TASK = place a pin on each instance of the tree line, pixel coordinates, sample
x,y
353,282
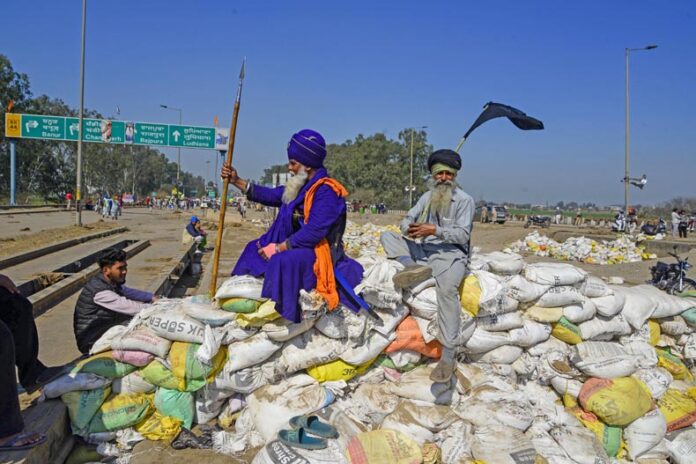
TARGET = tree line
x,y
46,170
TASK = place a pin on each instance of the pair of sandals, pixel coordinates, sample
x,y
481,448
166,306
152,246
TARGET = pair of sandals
x,y
308,432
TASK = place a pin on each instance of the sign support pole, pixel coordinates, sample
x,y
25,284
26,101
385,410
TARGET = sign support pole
x,y
13,171
78,190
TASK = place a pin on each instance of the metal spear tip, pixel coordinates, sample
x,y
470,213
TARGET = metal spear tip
x,y
242,71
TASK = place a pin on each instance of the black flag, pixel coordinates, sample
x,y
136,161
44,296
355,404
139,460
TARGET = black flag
x,y
498,110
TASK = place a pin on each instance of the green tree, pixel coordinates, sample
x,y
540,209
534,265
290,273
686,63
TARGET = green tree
x,y
269,174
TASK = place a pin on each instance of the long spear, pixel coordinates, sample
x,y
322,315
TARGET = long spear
x,y
226,183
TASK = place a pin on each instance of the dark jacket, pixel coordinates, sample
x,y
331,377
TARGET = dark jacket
x,y
90,320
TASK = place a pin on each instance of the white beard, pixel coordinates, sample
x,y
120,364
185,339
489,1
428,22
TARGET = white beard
x,y
294,185
441,196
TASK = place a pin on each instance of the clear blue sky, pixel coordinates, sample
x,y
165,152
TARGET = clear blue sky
x,y
345,68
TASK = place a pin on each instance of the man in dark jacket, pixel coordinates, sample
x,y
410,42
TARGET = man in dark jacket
x,y
106,301
195,230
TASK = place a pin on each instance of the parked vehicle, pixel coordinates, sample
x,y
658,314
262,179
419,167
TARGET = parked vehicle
x,y
672,277
654,229
538,221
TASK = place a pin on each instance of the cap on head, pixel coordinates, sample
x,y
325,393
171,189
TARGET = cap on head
x,y
444,160
194,218
308,148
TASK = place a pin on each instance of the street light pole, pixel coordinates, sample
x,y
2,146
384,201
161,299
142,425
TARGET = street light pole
x,y
628,129
178,149
78,187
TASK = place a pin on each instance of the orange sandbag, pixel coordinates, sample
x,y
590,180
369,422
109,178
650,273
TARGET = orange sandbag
x,y
409,337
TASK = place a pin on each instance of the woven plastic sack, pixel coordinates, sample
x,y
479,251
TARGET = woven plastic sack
x,y
470,294
554,274
173,403
678,408
104,365
142,339
383,446
121,411
177,326
566,331
609,436
265,313
182,357
409,337
157,374
83,405
74,382
159,427
616,402
131,384
240,305
136,358
337,370
244,286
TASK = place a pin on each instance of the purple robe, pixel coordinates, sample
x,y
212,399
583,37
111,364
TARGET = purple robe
x,y
286,273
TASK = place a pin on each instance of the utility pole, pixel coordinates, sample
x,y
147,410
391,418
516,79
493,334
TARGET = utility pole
x,y
78,189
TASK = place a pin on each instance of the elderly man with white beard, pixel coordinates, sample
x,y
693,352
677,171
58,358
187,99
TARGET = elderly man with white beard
x,y
304,245
435,242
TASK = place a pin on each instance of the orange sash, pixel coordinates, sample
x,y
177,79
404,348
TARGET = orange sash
x,y
323,267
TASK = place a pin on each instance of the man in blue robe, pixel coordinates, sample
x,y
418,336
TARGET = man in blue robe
x,y
285,255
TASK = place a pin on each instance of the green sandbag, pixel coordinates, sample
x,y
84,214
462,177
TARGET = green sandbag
x,y
121,411
157,374
173,403
105,365
690,316
84,404
240,305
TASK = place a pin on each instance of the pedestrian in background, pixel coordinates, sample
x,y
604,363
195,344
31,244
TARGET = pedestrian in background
x,y
675,223
683,224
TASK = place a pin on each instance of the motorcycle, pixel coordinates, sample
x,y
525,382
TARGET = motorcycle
x,y
538,221
672,277
652,229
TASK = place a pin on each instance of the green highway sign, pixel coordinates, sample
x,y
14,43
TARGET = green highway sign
x,y
33,126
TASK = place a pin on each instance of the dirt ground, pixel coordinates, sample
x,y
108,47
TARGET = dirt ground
x,y
18,244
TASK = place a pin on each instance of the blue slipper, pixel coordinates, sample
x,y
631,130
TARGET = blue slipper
x,y
298,438
312,425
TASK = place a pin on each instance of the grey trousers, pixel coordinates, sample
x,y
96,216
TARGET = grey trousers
x,y
449,269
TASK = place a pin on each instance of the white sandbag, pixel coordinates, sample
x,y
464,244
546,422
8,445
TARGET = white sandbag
x,y
455,442
74,382
272,406
142,339
104,342
370,403
244,286
491,287
499,322
374,344
644,433
250,352
577,313
423,327
531,333
682,448
423,304
643,352
389,318
501,304
504,263
554,274
580,443
377,286
176,326
243,381
491,408
610,305
673,325
342,323
419,420
505,354
657,379
603,359
131,384
282,330
565,386
483,341
467,326
416,385
502,445
601,325
523,290
669,305
232,332
552,344
563,295
277,452
473,377
639,305
690,347
546,446
207,314
210,346
594,287
402,358
209,403
310,349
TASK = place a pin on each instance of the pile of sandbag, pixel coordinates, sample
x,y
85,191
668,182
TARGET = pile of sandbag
x,y
554,365
364,239
621,250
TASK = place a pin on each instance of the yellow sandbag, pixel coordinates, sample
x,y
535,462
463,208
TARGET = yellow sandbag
x,y
265,313
157,374
337,370
609,436
182,357
383,446
470,294
673,364
678,408
618,401
539,314
159,427
240,305
654,332
122,411
566,331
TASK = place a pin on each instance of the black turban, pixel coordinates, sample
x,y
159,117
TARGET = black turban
x,y
449,157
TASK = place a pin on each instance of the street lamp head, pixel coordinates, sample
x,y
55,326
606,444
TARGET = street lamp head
x,y
164,106
651,47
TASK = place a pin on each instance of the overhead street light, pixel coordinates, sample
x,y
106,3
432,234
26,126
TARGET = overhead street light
x,y
627,178
178,149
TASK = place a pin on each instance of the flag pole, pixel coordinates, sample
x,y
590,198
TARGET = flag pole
x,y
226,183
460,144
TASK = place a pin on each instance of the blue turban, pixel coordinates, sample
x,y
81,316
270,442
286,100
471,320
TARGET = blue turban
x,y
307,147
